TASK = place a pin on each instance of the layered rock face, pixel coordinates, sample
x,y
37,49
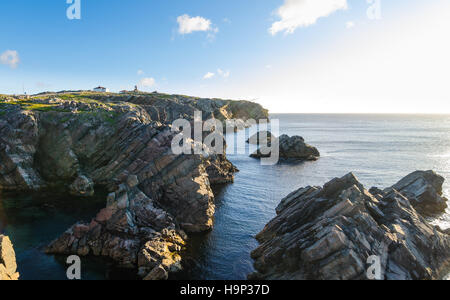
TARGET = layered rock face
x,y
76,144
75,141
8,266
293,148
332,232
424,190
167,108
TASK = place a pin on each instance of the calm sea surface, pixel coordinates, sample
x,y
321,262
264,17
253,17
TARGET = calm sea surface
x,y
379,149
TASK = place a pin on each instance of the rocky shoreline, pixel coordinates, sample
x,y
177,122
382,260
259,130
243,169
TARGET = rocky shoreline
x,y
335,231
76,141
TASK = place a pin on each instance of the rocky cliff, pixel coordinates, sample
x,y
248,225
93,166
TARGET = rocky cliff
x,y
76,141
335,232
8,266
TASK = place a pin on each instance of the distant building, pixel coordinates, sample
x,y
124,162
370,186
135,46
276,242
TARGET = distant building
x,y
124,92
101,89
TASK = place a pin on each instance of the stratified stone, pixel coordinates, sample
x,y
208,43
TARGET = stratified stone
x,y
424,191
330,233
124,143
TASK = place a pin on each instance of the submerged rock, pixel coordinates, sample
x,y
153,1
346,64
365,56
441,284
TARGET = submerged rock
x,y
289,148
336,231
8,265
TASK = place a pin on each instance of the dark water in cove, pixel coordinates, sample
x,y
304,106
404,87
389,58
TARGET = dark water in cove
x,y
379,149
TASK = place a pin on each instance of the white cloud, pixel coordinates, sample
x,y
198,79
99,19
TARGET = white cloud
x,y
10,58
140,72
349,24
303,13
208,75
224,74
189,24
147,82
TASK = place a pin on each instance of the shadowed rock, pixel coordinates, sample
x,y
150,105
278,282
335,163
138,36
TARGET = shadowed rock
x,y
330,232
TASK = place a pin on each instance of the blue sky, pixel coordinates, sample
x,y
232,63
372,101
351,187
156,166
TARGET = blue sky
x,y
120,43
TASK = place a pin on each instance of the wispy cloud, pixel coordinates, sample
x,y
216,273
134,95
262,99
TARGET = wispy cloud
x,y
224,74
350,25
188,25
140,72
10,58
209,75
295,14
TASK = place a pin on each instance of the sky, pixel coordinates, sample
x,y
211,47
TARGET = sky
x,y
291,56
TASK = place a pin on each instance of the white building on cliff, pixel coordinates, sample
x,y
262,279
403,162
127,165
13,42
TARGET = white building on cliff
x,y
101,89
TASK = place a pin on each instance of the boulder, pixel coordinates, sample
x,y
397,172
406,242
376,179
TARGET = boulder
x,y
424,191
8,265
82,187
290,148
339,230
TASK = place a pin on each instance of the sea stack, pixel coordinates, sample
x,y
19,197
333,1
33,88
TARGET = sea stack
x,y
290,148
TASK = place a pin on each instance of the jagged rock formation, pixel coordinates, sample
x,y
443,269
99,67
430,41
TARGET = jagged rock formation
x,y
289,148
166,108
424,191
131,230
8,265
330,232
76,141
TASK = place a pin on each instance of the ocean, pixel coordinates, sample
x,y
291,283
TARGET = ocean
x,y
378,149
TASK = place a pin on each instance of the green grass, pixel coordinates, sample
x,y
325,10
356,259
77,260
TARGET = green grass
x,y
31,106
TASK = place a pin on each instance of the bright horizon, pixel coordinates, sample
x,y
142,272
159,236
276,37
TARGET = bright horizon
x,y
291,56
